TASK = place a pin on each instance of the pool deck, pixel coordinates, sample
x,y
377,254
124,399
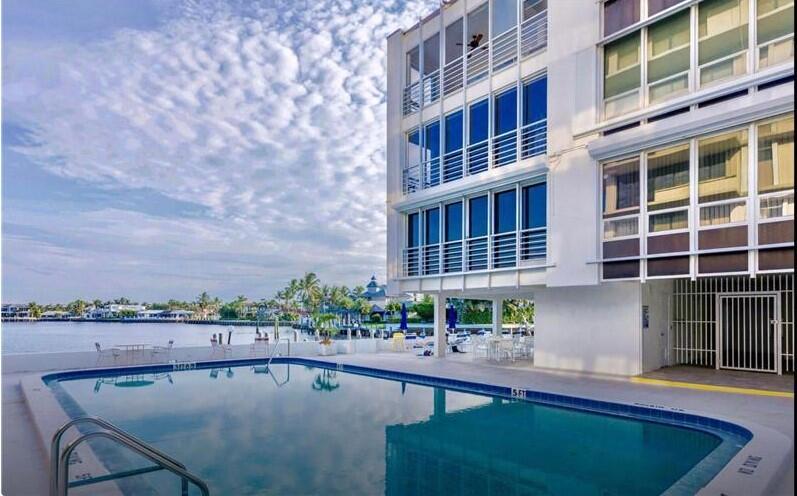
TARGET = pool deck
x,y
771,418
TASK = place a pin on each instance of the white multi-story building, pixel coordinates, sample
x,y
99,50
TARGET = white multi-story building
x,y
626,164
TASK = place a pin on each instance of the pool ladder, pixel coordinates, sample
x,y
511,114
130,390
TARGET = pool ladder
x,y
276,347
59,461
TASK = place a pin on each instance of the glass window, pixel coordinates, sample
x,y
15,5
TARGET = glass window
x,y
431,141
413,66
413,148
668,221
477,26
505,112
668,57
477,218
454,40
656,6
618,14
453,130
453,221
621,187
533,7
722,39
535,100
413,230
775,31
621,69
478,122
504,16
504,205
432,226
668,178
722,167
617,228
535,206
777,206
431,55
724,213
776,155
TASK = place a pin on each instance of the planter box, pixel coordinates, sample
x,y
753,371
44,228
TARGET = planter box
x,y
327,349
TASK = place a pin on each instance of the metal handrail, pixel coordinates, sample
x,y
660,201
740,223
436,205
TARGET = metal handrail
x,y
59,462
276,347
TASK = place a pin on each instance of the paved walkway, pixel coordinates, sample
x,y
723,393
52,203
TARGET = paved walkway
x,y
725,378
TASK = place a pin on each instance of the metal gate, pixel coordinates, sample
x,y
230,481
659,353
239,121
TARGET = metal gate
x,y
748,331
695,330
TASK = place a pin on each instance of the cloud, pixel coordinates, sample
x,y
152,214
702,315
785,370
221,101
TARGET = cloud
x,y
269,115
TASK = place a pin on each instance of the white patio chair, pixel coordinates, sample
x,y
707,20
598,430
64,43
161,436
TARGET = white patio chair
x,y
505,349
114,352
480,347
162,350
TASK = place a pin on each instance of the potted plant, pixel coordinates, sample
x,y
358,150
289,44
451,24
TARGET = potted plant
x,y
326,346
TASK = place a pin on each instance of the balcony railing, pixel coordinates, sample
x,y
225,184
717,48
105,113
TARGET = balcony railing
x,y
534,34
474,66
523,248
499,151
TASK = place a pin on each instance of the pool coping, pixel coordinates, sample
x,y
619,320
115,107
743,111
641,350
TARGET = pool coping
x,y
745,473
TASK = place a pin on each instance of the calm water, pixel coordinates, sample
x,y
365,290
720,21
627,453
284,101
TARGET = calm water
x,y
42,337
303,431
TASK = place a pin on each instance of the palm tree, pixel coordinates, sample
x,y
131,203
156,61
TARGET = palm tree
x,y
364,308
310,291
34,310
203,303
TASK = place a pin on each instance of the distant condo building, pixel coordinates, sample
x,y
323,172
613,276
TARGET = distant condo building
x,y
626,164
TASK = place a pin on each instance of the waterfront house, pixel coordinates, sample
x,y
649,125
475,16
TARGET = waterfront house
x,y
626,164
56,315
12,311
150,314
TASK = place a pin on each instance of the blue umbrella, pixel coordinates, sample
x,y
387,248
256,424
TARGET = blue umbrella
x,y
403,324
452,318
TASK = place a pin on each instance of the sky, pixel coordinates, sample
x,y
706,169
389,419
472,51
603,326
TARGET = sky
x,y
156,149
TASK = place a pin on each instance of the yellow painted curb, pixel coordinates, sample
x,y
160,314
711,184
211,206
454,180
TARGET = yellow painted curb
x,y
708,387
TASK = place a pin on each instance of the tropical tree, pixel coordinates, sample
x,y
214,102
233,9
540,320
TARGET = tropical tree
x,y
34,309
310,291
424,308
204,304
392,307
364,308
77,307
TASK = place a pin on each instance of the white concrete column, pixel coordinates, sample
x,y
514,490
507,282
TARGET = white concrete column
x,y
498,316
439,300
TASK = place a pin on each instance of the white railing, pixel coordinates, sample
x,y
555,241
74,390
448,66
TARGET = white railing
x,y
505,148
411,179
411,101
478,63
478,157
411,263
528,141
534,34
453,256
505,49
533,244
525,247
477,253
534,139
453,76
504,250
431,173
431,88
453,166
431,259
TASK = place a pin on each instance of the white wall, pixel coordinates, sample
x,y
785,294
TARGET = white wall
x,y
656,295
589,329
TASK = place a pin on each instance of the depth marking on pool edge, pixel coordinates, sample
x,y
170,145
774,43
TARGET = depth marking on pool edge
x,y
750,465
518,393
183,365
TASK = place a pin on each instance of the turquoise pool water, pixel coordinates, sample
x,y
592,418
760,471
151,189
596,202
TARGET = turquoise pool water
x,y
305,431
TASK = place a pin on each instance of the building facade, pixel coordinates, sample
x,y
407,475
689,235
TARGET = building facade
x,y
626,164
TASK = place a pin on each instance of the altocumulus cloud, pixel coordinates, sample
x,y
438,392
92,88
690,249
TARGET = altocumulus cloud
x,y
268,116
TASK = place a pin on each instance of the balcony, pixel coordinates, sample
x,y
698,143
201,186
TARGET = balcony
x,y
524,248
478,63
499,151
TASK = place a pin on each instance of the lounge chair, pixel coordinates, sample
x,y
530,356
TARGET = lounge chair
x,y
162,350
115,352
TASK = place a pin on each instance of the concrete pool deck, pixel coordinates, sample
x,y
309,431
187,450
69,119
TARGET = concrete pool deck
x,y
25,468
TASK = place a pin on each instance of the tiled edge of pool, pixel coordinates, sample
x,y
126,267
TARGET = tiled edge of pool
x,y
733,436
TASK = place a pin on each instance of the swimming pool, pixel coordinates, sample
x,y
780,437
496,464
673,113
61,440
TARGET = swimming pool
x,y
305,428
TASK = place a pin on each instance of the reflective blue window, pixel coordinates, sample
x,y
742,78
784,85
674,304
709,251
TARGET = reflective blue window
x,y
413,148
432,223
535,100
477,221
478,122
413,230
534,206
431,140
505,112
504,211
453,138
453,221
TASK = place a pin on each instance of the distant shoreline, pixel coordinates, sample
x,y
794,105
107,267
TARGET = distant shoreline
x,y
249,323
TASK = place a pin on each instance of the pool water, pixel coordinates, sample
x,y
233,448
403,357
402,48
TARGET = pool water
x,y
300,430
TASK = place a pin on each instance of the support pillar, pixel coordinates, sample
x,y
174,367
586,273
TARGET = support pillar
x,y
498,316
439,300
